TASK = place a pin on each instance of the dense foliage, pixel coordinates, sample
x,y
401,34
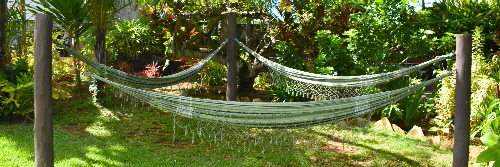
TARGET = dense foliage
x,y
332,38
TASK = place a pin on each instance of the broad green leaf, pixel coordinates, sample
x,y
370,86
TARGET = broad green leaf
x,y
434,129
55,96
488,155
489,139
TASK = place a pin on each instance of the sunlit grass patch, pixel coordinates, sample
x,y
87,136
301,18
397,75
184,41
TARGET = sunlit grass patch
x,y
113,135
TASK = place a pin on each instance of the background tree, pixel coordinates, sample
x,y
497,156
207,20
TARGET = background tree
x,y
100,12
196,27
3,22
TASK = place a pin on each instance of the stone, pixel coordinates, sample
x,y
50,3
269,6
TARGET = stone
x,y
257,100
434,140
416,132
244,99
397,129
383,123
359,122
446,147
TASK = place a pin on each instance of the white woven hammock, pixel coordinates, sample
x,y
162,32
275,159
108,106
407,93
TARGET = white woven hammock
x,y
138,81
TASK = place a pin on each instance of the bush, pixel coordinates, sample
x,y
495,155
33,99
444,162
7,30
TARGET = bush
x,y
214,74
131,39
18,99
482,86
333,58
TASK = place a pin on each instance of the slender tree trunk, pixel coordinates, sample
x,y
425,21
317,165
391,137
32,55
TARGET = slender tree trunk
x,y
74,46
21,42
3,21
100,57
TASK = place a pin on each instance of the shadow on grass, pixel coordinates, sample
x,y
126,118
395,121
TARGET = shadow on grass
x,y
390,146
120,133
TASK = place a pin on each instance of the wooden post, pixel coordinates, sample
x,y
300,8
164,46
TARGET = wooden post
x,y
231,57
44,150
462,100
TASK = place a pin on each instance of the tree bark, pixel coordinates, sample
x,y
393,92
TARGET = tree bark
x,y
462,100
43,126
21,42
74,45
100,57
185,45
232,52
3,21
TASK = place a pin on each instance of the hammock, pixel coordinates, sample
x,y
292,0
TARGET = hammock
x,y
270,115
327,86
138,81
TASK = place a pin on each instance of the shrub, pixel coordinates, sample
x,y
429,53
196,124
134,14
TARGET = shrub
x,y
482,86
333,58
214,74
131,39
19,95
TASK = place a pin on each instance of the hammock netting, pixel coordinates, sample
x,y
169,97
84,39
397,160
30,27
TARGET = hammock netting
x,y
253,126
317,86
269,115
138,81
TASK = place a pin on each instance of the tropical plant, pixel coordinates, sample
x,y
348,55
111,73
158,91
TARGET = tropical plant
x,y
333,57
214,74
73,18
489,115
379,40
410,106
482,87
19,100
263,80
280,95
100,14
131,39
493,152
287,57
443,127
489,118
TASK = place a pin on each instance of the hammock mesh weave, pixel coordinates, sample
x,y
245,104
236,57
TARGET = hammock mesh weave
x,y
261,114
316,86
270,115
138,81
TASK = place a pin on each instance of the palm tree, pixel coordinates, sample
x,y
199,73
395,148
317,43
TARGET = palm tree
x,y
100,12
71,16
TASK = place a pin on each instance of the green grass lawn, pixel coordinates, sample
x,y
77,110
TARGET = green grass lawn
x,y
86,134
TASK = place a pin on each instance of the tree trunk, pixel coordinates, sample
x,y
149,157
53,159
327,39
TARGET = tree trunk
x,y
74,45
100,57
3,21
21,42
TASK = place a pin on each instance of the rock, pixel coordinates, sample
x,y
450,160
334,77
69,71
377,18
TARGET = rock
x,y
383,124
257,100
416,132
343,124
244,99
396,128
359,122
446,147
434,140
